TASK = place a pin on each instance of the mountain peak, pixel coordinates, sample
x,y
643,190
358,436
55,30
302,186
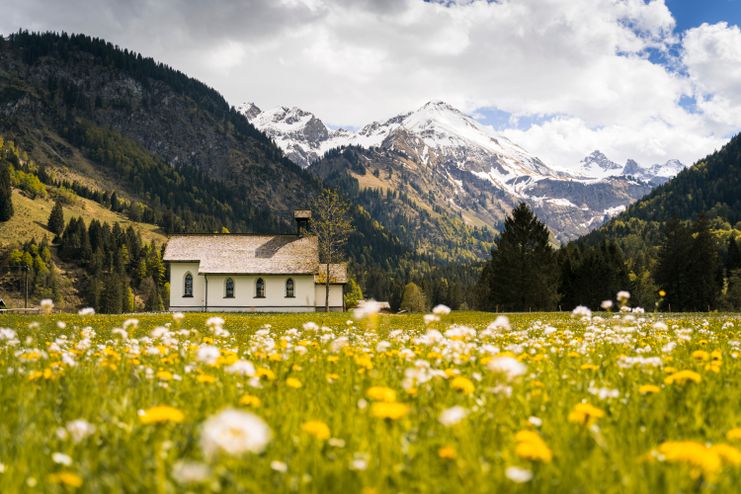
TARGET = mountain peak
x,y
249,110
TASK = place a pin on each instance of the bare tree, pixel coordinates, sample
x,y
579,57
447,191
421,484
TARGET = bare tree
x,y
330,222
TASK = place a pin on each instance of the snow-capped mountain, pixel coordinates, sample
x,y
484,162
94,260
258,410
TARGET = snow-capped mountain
x,y
597,165
456,165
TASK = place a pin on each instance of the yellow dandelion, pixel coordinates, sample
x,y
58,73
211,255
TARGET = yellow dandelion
x,y
164,375
649,389
589,367
463,384
682,377
728,454
381,393
69,479
294,383
662,293
447,453
205,378
391,411
249,400
161,414
734,434
703,460
317,429
530,446
266,373
700,355
585,414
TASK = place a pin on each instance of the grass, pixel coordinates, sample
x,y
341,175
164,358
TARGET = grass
x,y
310,386
31,216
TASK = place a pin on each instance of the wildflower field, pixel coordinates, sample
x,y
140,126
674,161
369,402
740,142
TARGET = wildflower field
x,y
454,402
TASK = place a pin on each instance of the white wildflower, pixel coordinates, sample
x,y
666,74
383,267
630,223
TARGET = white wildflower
x,y
366,308
518,475
234,432
606,304
453,415
509,366
190,472
242,368
278,466
441,310
208,354
61,459
87,311
46,305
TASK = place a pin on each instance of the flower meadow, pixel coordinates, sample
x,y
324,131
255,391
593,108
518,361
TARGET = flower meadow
x,y
622,401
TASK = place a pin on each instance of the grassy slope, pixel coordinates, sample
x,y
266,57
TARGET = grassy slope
x,y
31,215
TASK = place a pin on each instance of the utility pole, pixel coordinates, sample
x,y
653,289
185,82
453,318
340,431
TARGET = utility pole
x,y
25,295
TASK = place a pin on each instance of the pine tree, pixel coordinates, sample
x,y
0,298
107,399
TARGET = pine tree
x,y
523,272
670,273
6,193
56,219
704,268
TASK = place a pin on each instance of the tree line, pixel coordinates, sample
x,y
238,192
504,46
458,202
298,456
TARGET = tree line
x,y
692,271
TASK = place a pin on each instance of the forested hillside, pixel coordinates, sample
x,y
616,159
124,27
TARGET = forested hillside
x,y
704,197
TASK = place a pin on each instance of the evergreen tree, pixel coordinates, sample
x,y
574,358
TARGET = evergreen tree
x,y
704,268
413,299
56,219
670,274
523,271
6,195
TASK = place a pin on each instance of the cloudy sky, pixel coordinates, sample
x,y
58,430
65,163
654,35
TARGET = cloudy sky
x,y
649,80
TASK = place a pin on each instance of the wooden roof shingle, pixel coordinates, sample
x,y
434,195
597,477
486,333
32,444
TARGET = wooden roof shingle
x,y
246,254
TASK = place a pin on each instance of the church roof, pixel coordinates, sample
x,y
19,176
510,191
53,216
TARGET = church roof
x,y
246,254
337,273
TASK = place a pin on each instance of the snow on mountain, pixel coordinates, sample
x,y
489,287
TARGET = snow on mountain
x,y
597,165
467,166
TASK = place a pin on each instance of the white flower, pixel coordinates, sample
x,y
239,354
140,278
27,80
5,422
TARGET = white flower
x,y
366,308
214,322
310,326
501,322
430,318
242,368
234,432
535,421
178,316
61,324
623,296
61,459
441,310
518,475
581,312
606,304
190,472
87,311
47,305
130,324
278,466
359,462
80,429
208,354
451,416
509,366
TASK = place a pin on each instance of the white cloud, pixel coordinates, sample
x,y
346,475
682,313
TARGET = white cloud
x,y
353,61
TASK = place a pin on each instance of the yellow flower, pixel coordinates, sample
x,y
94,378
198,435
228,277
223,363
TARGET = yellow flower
x,y
648,389
392,411
703,460
66,478
294,383
463,384
530,446
364,362
662,293
585,414
589,367
447,453
266,373
682,377
700,355
734,434
161,414
728,454
381,393
316,428
205,378
164,375
250,401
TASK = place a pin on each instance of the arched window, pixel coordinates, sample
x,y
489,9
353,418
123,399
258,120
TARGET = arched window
x,y
290,288
229,288
188,285
260,288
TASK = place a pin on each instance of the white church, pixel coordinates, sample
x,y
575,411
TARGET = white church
x,y
252,273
